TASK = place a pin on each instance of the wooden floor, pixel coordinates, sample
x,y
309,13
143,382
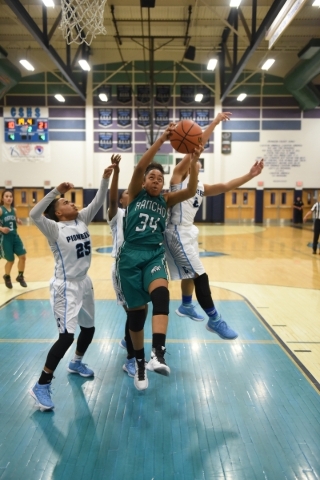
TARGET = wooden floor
x,y
272,267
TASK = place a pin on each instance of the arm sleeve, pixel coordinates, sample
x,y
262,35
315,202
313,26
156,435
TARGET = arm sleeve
x,y
89,212
48,227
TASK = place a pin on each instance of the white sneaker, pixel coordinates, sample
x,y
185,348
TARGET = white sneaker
x,y
140,377
157,362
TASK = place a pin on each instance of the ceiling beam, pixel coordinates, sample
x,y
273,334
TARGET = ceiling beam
x,y
24,17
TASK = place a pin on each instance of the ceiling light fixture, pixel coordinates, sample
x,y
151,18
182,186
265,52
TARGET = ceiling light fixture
x,y
235,3
59,97
27,65
267,64
241,97
316,3
103,97
48,3
283,19
212,64
198,97
84,65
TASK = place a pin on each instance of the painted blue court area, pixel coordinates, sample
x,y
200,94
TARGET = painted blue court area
x,y
230,410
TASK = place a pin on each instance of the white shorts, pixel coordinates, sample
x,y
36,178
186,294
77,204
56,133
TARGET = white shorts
x,y
72,303
182,252
116,287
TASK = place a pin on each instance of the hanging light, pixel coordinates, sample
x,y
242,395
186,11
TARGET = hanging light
x,y
84,65
212,64
59,97
241,97
103,97
198,97
27,65
267,64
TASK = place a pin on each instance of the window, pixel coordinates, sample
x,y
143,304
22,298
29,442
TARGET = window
x,y
283,198
245,198
73,197
34,197
23,197
272,198
234,198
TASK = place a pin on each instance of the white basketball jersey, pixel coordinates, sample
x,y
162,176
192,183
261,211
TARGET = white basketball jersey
x,y
116,225
72,250
183,213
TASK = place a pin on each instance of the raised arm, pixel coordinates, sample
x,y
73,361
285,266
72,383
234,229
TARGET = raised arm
x,y
113,190
48,227
216,189
138,174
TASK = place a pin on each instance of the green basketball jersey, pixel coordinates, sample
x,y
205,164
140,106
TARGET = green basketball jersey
x,y
146,220
8,219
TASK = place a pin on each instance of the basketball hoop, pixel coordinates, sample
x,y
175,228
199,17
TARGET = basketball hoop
x,y
82,20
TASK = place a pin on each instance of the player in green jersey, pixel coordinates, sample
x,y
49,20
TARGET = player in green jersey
x,y
141,266
10,242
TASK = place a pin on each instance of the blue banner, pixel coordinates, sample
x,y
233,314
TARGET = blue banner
x,y
107,89
143,117
124,117
202,117
186,114
161,117
105,141
205,92
105,116
162,93
143,93
124,141
124,93
187,93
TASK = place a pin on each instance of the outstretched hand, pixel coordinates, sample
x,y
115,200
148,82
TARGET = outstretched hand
x,y
257,168
115,160
223,116
65,187
166,134
196,154
108,171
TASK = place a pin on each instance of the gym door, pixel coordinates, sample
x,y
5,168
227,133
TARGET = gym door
x,y
239,205
25,198
278,205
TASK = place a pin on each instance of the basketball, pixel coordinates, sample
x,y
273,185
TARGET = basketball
x,y
186,136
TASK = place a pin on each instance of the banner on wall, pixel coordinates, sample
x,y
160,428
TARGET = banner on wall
x,y
143,117
162,93
143,93
202,117
186,114
205,92
105,117
124,93
161,117
124,141
105,141
187,93
124,117
25,152
226,139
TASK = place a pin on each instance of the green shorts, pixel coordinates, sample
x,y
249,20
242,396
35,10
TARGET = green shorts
x,y
136,269
12,245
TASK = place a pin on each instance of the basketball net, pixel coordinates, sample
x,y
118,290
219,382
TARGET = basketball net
x,y
82,20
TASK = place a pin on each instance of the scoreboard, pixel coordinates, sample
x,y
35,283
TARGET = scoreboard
x,y
26,130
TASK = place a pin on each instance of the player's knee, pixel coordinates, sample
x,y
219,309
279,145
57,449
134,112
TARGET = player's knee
x,y
85,338
58,350
160,300
203,292
136,319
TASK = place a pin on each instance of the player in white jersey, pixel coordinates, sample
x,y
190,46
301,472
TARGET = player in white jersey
x,y
181,241
71,289
115,218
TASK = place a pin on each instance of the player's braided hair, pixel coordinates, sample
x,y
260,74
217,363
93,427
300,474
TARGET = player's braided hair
x,y
50,211
154,166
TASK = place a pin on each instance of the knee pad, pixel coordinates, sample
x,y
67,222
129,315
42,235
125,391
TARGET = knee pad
x,y
136,319
58,350
160,300
203,292
84,339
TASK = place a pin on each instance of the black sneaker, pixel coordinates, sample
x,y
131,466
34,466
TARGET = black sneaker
x,y
157,362
7,281
21,280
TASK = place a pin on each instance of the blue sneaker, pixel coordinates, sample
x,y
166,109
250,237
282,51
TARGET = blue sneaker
x,y
123,343
221,328
81,368
42,396
130,367
190,312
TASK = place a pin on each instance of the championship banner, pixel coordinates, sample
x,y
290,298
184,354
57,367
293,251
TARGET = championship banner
x,y
124,93
25,152
124,117
205,92
107,89
162,93
186,114
202,117
143,117
105,117
226,139
143,93
105,141
187,93
124,141
161,117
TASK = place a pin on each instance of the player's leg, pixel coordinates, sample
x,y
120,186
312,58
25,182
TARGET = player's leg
x,y
20,251
8,254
